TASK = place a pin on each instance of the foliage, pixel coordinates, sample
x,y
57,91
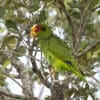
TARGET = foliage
x,y
78,21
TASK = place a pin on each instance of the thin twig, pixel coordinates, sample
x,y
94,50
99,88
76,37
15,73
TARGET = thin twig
x,y
58,81
11,95
63,8
81,29
9,51
4,73
89,48
39,74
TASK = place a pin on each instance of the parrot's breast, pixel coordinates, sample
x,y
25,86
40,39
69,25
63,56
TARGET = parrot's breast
x,y
51,58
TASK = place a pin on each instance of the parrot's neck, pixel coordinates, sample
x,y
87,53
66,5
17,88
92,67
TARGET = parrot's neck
x,y
45,36
44,40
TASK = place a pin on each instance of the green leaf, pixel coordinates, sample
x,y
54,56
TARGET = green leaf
x,y
95,2
2,80
42,17
21,50
76,13
83,44
2,11
34,5
96,51
2,58
98,12
11,24
6,63
90,27
2,29
9,41
74,4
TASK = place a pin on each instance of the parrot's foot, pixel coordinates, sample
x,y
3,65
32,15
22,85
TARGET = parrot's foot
x,y
52,72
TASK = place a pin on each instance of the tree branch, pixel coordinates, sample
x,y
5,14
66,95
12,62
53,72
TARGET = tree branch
x,y
57,92
81,29
8,94
89,48
38,72
24,75
63,8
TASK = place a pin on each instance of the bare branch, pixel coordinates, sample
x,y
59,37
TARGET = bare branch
x,y
24,75
11,95
57,92
14,52
89,48
63,8
81,29
39,74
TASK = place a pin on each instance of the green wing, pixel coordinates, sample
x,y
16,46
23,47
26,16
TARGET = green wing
x,y
60,49
64,56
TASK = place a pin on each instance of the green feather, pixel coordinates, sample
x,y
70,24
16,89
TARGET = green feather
x,y
57,53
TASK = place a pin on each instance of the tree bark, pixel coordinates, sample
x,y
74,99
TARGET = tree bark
x,y
24,76
57,92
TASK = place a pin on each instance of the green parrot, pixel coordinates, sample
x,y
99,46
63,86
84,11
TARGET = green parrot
x,y
57,53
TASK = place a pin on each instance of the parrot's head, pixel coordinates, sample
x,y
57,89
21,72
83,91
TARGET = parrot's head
x,y
37,29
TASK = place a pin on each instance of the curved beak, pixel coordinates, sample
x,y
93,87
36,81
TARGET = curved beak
x,y
33,32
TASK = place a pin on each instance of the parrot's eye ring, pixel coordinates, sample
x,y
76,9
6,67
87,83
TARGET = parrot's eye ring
x,y
43,28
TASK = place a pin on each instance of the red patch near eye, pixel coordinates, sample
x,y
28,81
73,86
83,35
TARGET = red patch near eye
x,y
38,28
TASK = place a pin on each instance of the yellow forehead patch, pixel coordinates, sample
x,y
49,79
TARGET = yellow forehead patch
x,y
33,33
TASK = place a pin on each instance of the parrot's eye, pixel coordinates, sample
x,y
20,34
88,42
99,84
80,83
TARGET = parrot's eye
x,y
43,28
36,28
